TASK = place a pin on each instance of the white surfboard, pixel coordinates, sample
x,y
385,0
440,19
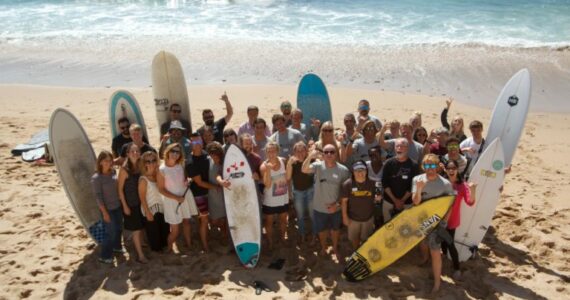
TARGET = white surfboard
x,y
488,173
168,87
75,162
123,104
509,114
242,207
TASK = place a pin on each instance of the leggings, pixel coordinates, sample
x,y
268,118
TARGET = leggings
x,y
452,250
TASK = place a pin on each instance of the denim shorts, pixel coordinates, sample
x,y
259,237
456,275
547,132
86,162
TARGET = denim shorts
x,y
325,221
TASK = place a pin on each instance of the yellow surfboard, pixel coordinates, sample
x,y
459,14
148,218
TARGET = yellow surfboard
x,y
396,238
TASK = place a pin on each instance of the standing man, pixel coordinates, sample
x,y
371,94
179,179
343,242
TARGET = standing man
x,y
219,125
245,142
310,133
415,149
135,132
248,126
363,114
397,176
124,137
175,115
329,176
473,146
285,137
286,108
259,137
176,134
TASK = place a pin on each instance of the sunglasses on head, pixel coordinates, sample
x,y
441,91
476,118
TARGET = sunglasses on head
x,y
197,142
150,161
430,166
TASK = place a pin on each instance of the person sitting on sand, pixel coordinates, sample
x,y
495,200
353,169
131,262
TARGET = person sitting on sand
x,y
176,134
219,125
415,149
329,176
172,185
249,126
135,131
424,187
285,137
302,185
104,185
364,114
276,193
456,128
152,205
175,114
357,198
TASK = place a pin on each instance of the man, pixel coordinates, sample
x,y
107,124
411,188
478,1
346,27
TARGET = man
x,y
122,138
415,149
473,146
176,134
438,141
454,154
363,113
135,132
358,204
358,149
248,126
217,126
285,137
175,115
259,137
397,178
310,133
329,176
245,142
286,108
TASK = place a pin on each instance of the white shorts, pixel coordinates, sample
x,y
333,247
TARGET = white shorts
x,y
173,214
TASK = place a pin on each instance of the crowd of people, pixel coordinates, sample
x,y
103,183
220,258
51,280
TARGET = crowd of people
x,y
358,176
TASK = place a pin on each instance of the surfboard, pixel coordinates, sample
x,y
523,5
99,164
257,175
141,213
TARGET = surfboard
x,y
168,87
123,104
488,173
242,207
75,162
313,99
396,238
509,114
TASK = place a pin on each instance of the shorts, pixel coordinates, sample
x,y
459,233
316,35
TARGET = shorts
x,y
271,210
135,221
360,230
202,204
325,221
435,238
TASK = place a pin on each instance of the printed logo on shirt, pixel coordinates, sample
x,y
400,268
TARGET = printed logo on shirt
x,y
364,193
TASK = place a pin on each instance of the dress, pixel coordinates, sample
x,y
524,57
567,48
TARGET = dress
x,y
216,204
175,183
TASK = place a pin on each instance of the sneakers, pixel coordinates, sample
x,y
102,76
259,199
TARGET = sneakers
x,y
107,261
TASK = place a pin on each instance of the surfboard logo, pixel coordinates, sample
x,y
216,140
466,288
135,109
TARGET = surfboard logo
x,y
498,165
237,175
161,102
235,166
428,223
488,173
513,100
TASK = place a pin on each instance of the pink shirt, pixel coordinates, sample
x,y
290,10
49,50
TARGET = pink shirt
x,y
463,193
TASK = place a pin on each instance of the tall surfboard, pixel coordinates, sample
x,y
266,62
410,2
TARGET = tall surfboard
x,y
123,104
242,207
75,162
488,173
509,114
393,240
313,99
168,87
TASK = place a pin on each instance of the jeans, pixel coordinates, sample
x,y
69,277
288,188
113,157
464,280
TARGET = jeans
x,y
303,203
113,234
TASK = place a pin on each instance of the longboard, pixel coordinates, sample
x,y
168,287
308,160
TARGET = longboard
x,y
75,162
396,238
242,207
313,99
123,104
510,112
488,173
168,87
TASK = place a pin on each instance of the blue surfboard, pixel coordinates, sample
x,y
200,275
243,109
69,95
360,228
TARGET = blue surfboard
x,y
124,104
313,99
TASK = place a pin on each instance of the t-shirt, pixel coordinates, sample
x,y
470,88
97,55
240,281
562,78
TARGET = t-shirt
x,y
259,147
198,166
462,193
371,118
287,140
301,181
438,149
433,188
166,125
470,143
360,149
461,162
119,141
415,150
309,132
327,184
217,130
146,147
360,196
247,127
254,162
398,177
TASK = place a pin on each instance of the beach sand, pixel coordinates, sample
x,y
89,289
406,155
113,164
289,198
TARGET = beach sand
x,y
46,253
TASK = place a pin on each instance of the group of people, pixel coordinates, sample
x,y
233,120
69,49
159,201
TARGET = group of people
x,y
358,176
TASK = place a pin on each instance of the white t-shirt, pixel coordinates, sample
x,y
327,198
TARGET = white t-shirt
x,y
470,143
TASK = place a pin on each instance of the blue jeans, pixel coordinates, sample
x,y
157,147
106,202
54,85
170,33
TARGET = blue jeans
x,y
303,203
113,234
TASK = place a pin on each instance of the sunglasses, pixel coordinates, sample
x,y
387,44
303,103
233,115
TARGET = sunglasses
x,y
174,151
177,111
330,152
430,166
150,161
364,107
196,142
452,147
369,129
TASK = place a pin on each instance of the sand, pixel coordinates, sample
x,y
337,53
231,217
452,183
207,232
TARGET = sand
x,y
46,253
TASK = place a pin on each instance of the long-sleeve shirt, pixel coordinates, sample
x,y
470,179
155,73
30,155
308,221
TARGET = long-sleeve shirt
x,y
105,190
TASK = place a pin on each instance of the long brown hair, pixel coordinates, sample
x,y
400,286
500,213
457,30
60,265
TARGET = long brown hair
x,y
102,156
144,157
130,167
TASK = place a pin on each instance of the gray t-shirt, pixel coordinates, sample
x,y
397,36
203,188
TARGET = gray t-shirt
x,y
360,150
433,189
371,118
328,182
260,147
415,150
287,140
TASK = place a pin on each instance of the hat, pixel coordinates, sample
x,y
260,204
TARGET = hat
x,y
176,125
358,166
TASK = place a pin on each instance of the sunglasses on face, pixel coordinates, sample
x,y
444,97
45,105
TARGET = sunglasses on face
x,y
196,142
369,129
329,152
430,166
174,151
452,147
150,161
451,168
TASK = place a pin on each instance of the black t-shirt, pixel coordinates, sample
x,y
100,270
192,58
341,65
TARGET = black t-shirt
x,y
119,141
198,166
146,147
360,199
301,181
217,129
398,177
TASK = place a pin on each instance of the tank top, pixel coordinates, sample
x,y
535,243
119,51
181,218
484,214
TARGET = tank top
x,y
278,193
153,197
131,190
174,179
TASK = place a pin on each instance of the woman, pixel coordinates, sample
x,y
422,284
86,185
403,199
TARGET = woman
x,y
129,194
216,205
416,120
276,193
104,185
302,187
420,135
327,137
464,192
456,124
172,185
152,205
207,134
230,137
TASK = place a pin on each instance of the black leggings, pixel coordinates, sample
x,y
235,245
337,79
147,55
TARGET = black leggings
x,y
157,232
452,250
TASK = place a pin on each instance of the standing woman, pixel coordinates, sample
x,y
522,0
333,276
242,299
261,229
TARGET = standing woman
x,y
129,194
104,185
302,187
216,204
420,135
464,192
456,128
152,206
276,193
172,185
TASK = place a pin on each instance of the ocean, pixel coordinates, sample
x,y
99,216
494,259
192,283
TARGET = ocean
x,y
411,45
